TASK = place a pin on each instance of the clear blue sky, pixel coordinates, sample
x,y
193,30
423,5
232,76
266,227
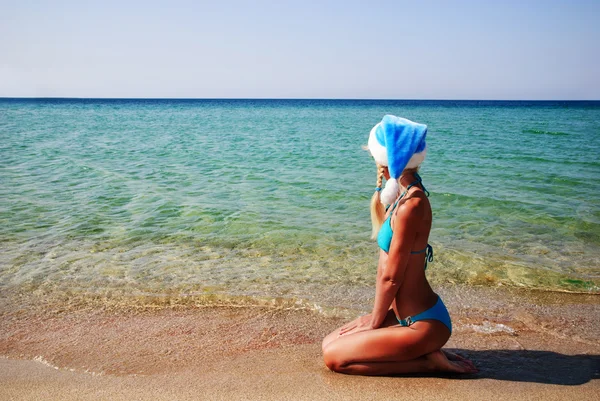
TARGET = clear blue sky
x,y
301,49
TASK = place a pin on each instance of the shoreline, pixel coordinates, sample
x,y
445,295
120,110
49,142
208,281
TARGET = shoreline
x,y
273,353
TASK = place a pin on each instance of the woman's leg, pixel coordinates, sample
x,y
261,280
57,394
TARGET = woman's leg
x,y
392,350
389,321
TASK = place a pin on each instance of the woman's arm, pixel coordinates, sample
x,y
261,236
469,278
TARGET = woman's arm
x,y
390,276
404,225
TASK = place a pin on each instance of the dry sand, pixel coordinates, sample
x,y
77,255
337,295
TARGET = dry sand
x,y
260,353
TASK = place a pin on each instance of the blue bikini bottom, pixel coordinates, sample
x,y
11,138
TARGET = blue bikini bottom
x,y
436,312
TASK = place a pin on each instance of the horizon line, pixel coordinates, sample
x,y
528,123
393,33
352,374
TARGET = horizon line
x,y
290,98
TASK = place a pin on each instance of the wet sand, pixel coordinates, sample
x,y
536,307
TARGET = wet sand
x,y
545,347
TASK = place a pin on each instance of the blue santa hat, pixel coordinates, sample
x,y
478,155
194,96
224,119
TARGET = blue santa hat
x,y
397,143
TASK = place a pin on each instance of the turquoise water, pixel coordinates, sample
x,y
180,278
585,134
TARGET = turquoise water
x,y
269,198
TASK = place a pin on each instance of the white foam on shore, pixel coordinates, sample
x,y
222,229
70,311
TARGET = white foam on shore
x,y
491,328
45,362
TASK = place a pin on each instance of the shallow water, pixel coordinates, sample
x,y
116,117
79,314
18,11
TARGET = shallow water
x,y
269,198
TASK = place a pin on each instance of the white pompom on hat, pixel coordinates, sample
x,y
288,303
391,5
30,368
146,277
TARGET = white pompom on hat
x,y
397,143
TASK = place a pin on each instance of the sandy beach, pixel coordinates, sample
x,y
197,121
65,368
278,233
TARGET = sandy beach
x,y
192,196
186,352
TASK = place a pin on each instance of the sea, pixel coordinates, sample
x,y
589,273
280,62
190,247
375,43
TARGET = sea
x,y
265,199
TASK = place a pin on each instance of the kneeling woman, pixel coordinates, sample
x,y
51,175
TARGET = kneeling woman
x,y
409,323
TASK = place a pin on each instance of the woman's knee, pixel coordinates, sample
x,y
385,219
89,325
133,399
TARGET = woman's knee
x,y
325,343
334,335
333,359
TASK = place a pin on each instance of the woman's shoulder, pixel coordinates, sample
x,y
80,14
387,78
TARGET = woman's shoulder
x,y
414,206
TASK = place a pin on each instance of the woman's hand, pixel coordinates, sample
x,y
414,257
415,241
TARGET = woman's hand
x,y
362,323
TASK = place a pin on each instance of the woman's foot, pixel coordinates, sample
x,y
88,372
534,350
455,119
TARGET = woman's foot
x,y
450,362
454,357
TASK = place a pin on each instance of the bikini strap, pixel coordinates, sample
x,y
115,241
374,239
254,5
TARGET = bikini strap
x,y
422,186
428,254
412,184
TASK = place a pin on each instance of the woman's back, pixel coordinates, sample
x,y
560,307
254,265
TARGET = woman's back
x,y
415,293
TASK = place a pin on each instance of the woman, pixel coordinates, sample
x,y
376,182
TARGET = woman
x,y
409,323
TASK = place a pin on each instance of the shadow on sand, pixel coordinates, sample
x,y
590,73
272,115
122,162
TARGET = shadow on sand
x,y
532,366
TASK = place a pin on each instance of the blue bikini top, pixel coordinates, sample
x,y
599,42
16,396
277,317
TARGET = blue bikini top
x,y
384,238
